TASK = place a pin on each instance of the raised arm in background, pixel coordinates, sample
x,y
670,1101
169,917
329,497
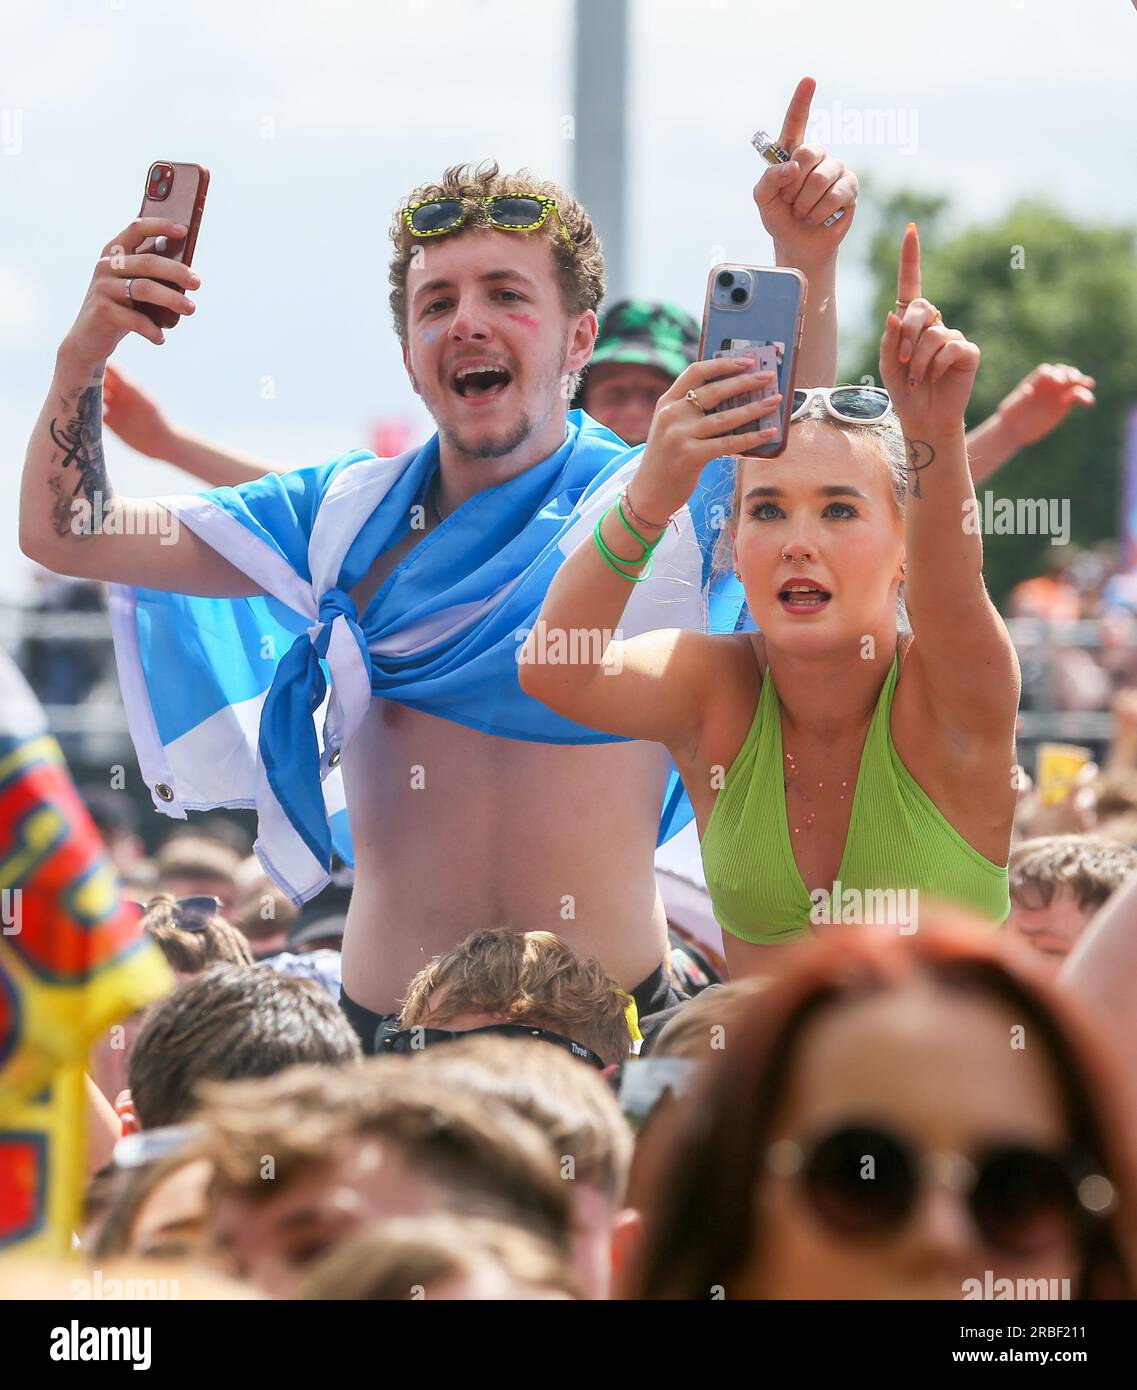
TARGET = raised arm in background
x,y
1034,409
139,421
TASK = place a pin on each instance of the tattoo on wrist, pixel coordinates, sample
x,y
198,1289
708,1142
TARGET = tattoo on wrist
x,y
80,435
921,455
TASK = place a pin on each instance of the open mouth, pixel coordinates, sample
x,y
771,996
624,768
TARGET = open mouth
x,y
804,598
482,382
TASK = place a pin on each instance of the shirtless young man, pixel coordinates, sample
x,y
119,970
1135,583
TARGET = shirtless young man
x,y
503,832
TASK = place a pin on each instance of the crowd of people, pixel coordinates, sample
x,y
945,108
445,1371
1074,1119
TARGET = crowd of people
x,y
482,1064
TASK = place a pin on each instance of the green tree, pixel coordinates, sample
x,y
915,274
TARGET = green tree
x,y
1034,287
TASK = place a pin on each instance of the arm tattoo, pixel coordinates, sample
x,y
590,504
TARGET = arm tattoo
x,y
81,439
920,456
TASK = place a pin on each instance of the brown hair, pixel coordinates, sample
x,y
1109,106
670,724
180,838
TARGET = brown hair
x,y
191,951
396,1259
264,915
478,1153
228,1022
1092,867
196,856
571,1105
700,1200
1115,792
524,977
579,268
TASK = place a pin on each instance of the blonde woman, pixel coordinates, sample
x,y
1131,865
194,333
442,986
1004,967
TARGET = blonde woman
x,y
833,752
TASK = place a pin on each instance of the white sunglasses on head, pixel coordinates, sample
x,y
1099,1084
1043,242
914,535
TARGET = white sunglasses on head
x,y
855,405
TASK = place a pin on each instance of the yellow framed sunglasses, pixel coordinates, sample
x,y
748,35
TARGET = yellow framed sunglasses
x,y
508,212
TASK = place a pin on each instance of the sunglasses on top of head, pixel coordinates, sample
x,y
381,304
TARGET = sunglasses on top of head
x,y
406,1041
508,212
191,914
854,405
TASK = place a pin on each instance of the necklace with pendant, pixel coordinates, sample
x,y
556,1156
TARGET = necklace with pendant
x,y
792,782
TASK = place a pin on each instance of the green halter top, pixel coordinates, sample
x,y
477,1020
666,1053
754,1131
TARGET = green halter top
x,y
897,840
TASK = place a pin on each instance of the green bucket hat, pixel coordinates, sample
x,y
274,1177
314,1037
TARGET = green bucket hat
x,y
649,334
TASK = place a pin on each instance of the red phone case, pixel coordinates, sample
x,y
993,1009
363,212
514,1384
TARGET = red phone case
x,y
183,201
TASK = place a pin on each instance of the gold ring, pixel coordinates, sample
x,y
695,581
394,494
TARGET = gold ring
x,y
695,401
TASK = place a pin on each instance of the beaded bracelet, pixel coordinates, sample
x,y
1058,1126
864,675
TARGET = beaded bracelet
x,y
649,546
643,521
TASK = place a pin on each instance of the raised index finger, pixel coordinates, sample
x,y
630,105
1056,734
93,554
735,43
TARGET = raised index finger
x,y
908,277
797,115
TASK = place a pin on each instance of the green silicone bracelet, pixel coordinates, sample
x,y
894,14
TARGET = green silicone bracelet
x,y
614,561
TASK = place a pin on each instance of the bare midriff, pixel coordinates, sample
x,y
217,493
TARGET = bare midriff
x,y
455,830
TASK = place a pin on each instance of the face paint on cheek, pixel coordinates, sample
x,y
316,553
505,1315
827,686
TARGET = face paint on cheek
x,y
524,320
430,334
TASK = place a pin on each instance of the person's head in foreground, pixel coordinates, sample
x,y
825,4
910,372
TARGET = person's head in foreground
x,y
440,1257
304,1159
577,1112
848,546
500,979
899,1117
494,304
641,348
1057,883
227,1023
157,1210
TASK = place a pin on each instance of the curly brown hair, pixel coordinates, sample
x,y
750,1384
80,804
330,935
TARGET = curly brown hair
x,y
523,977
579,268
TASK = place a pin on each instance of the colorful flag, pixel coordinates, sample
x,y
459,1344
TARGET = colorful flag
x,y
72,961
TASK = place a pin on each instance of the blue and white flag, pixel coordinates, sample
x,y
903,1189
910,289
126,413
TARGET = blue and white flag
x,y
249,702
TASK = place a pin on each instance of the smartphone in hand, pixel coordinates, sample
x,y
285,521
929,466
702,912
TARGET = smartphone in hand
x,y
176,191
758,311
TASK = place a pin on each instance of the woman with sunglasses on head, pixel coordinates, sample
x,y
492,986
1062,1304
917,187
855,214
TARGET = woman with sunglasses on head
x,y
193,935
899,1118
831,747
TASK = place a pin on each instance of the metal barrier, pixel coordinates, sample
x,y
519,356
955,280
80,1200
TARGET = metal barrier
x,y
101,716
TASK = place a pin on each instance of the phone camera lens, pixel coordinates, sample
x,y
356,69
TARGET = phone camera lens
x,y
163,189
726,278
738,294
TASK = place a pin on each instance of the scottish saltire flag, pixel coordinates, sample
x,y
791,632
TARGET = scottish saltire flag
x,y
72,961
250,702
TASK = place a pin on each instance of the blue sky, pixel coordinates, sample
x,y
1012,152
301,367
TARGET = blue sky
x,y
315,119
